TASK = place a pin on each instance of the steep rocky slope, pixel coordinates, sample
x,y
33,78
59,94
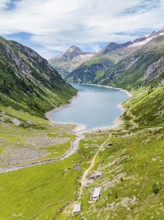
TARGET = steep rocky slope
x,y
143,67
28,82
69,60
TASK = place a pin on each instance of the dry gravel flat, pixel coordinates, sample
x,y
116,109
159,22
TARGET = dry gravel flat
x,y
35,155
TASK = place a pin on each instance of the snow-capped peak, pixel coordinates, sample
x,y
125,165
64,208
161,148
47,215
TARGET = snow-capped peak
x,y
146,38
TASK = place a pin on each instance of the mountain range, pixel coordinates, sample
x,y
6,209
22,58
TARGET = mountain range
x,y
116,63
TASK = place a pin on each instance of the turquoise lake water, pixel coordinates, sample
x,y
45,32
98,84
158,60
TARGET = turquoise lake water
x,y
94,107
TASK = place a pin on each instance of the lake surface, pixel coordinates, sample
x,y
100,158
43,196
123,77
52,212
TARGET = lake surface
x,y
94,107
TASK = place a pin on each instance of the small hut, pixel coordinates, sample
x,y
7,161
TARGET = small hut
x,y
76,208
95,175
96,193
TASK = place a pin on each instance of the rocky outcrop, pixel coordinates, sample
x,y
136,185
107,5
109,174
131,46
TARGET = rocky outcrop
x,y
154,69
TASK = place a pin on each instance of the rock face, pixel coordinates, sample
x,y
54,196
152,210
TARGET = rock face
x,y
28,81
157,66
69,60
124,65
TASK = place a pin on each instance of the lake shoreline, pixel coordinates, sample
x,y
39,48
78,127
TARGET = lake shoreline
x,y
48,114
80,128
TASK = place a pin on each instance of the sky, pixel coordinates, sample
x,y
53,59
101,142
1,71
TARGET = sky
x,y
51,26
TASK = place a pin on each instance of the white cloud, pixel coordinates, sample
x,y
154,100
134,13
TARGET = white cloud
x,y
57,24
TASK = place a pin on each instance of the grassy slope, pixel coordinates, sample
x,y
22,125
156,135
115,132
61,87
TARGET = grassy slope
x,y
132,165
29,192
132,181
28,82
146,109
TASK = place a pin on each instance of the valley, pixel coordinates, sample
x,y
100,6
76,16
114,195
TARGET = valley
x,y
50,164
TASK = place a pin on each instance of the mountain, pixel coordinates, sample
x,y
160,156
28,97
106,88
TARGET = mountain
x,y
28,82
93,70
143,67
113,47
69,60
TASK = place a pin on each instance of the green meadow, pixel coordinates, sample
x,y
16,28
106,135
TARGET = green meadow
x,y
38,192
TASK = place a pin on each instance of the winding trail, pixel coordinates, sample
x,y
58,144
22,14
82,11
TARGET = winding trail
x,y
83,180
72,150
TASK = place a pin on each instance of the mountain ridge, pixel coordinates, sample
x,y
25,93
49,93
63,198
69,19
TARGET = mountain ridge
x,y
27,81
95,70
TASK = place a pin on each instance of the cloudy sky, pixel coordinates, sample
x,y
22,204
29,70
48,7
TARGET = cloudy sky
x,y
51,26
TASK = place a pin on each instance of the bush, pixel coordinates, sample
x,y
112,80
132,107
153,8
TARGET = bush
x,y
155,188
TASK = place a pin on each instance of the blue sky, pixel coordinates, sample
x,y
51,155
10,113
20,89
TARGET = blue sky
x,y
51,26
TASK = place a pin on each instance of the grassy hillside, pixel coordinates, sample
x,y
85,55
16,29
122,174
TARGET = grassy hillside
x,y
28,82
146,109
131,164
132,178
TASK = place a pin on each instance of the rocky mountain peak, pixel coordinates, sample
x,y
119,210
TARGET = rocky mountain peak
x,y
110,47
70,54
114,46
74,49
69,60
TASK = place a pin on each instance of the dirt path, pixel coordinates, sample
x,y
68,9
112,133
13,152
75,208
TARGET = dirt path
x,y
72,150
83,180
